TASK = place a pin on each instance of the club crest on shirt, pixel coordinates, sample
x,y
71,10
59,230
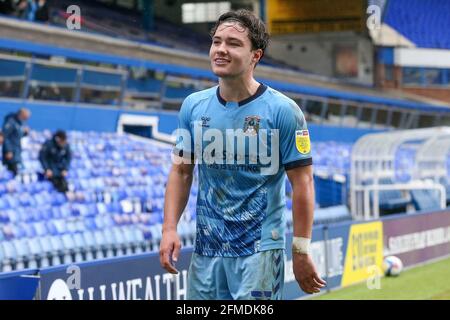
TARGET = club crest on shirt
x,y
302,141
205,121
251,125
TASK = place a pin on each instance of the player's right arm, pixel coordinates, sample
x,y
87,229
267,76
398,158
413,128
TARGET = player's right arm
x,y
177,189
177,195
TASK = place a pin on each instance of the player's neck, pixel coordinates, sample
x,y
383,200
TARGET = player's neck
x,y
237,89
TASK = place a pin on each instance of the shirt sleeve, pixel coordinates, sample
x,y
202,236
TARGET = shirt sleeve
x,y
184,144
295,145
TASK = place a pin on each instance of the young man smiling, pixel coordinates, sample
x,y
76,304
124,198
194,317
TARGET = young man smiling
x,y
240,238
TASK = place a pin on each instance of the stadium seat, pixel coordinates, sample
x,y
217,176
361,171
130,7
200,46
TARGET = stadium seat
x,y
91,246
58,250
35,253
425,200
70,248
22,252
9,256
105,246
46,251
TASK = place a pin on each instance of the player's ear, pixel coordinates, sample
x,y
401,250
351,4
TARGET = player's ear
x,y
257,55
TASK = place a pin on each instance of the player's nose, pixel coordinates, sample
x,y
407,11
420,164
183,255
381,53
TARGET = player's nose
x,y
221,49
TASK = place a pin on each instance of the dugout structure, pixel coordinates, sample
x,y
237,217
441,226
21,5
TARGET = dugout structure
x,y
387,166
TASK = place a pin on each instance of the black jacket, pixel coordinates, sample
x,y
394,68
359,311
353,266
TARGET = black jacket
x,y
13,131
54,157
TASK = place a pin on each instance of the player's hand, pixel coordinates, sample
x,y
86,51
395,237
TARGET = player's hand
x,y
169,250
306,274
64,173
9,155
48,173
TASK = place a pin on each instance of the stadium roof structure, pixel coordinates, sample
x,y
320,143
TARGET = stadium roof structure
x,y
375,167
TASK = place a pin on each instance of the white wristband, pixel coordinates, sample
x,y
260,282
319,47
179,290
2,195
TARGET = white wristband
x,y
300,245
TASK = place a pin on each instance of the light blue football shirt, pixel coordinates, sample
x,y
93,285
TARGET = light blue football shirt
x,y
240,206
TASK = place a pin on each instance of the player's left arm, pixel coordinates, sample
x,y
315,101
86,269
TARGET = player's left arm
x,y
302,182
295,148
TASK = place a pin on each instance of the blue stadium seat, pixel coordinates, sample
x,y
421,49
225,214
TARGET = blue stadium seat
x,y
41,229
91,246
119,241
56,212
105,243
425,200
30,231
35,253
47,251
46,213
22,252
12,216
52,230
392,200
80,247
70,248
9,254
65,211
90,223
60,225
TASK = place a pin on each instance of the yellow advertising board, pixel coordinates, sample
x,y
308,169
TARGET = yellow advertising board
x,y
302,16
364,252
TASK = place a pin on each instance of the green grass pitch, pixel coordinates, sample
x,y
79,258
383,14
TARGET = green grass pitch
x,y
427,282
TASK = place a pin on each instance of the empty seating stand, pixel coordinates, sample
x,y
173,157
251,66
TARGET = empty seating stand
x,y
114,205
425,23
392,201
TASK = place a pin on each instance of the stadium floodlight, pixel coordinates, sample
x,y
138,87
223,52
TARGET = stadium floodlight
x,y
373,167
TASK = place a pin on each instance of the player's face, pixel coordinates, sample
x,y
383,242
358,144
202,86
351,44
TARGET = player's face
x,y
231,51
61,142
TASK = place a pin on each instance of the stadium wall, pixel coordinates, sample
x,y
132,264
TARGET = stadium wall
x,y
345,254
417,238
19,285
103,119
343,55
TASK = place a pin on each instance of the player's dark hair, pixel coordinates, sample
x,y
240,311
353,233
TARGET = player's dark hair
x,y
257,31
61,135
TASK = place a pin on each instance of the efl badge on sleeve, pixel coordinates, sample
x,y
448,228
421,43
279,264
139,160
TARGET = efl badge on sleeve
x,y
302,141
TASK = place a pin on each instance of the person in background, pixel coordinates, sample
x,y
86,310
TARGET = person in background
x,y
32,8
6,6
42,12
55,157
13,131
